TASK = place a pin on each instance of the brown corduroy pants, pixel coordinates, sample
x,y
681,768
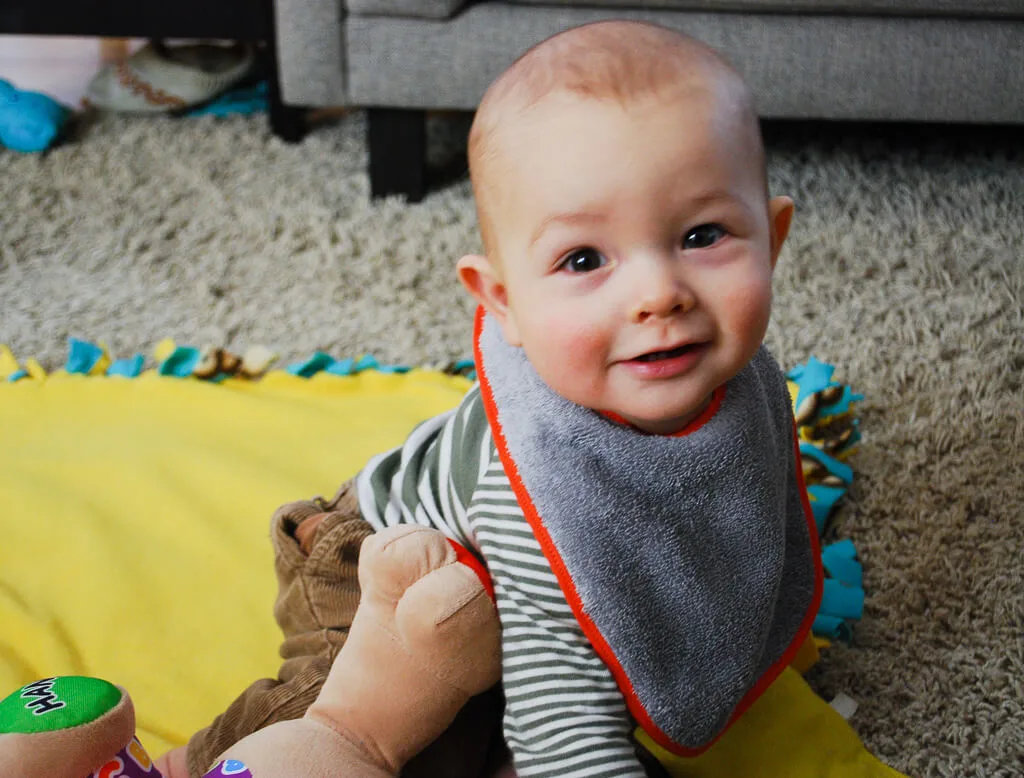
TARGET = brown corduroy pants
x,y
317,599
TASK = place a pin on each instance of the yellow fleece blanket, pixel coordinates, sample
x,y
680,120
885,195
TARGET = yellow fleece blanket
x,y
135,516
135,548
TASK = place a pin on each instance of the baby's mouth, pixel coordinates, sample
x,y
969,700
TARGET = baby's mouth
x,y
656,356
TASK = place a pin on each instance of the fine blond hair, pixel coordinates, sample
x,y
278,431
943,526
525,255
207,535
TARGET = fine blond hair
x,y
618,61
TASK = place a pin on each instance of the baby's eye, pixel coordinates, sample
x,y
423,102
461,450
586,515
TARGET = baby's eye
x,y
703,236
584,261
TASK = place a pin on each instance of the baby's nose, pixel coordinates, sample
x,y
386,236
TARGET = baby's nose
x,y
662,294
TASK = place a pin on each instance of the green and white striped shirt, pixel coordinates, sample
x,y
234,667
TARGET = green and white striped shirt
x,y
564,714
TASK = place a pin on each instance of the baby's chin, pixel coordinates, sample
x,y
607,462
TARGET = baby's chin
x,y
655,424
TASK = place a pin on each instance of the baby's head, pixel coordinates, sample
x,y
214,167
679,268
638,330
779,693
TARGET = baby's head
x,y
630,242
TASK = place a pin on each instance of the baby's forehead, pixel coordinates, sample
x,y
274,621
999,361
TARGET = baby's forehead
x,y
618,63
698,113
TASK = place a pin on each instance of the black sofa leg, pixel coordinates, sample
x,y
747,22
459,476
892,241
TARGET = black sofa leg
x,y
286,122
398,150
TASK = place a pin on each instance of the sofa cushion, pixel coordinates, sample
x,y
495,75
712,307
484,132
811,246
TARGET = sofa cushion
x,y
980,8
862,67
409,9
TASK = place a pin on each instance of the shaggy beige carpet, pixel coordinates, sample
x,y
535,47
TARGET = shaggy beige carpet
x,y
905,268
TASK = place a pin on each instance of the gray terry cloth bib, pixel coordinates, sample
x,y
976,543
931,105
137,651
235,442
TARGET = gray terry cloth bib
x,y
689,561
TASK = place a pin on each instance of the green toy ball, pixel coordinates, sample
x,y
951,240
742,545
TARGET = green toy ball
x,y
52,704
71,727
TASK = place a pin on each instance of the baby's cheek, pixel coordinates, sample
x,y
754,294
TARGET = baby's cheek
x,y
746,307
570,356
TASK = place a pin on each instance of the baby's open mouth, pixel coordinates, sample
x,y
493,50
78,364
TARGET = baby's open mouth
x,y
655,356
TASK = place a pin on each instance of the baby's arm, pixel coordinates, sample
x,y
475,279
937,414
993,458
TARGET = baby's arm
x,y
429,479
564,715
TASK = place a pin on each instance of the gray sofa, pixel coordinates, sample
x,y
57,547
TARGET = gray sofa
x,y
891,60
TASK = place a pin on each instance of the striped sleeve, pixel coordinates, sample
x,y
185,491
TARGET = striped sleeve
x,y
430,478
564,713
564,716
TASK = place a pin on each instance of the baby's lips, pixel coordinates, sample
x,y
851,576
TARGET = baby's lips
x,y
668,352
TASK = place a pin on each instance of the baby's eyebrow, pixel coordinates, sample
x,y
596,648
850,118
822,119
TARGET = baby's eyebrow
x,y
569,219
734,202
708,197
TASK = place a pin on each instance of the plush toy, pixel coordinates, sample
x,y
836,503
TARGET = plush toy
x,y
424,640
29,121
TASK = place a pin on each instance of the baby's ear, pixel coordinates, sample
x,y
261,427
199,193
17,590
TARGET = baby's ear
x,y
484,281
780,216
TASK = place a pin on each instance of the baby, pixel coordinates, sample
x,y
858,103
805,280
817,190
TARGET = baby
x,y
626,466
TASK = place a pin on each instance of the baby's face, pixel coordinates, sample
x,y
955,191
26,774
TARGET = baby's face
x,y
636,252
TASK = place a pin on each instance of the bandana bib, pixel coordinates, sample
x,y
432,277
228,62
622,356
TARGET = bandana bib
x,y
691,561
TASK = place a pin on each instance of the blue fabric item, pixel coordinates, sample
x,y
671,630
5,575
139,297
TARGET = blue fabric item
x,y
245,100
824,502
82,356
321,362
842,548
181,362
310,367
367,363
840,560
467,367
841,555
832,627
128,368
341,367
849,572
29,121
17,375
811,377
846,602
843,596
814,376
834,466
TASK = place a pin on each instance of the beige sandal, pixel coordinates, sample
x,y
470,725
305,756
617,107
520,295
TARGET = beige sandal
x,y
161,79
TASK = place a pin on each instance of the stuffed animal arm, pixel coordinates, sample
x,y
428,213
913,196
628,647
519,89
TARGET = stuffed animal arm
x,y
424,639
